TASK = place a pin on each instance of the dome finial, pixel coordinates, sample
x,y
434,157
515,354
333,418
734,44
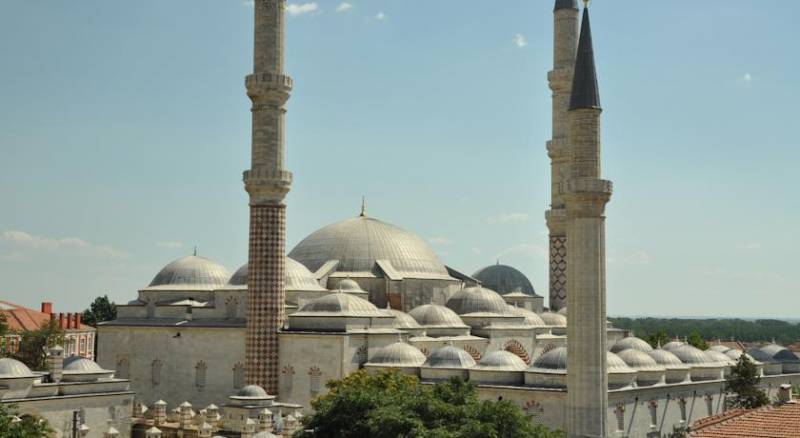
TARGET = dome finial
x,y
363,206
195,251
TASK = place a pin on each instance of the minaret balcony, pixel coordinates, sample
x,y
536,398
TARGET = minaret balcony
x,y
268,84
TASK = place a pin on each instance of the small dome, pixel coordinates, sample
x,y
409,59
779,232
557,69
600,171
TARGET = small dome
x,y
531,318
779,354
297,277
719,357
192,272
340,303
81,365
504,279
403,320
629,343
554,319
639,360
348,285
501,360
449,357
360,242
398,354
477,300
691,355
555,359
664,357
721,348
252,391
434,315
616,364
12,368
671,345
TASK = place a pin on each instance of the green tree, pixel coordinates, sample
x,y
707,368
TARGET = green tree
x,y
392,404
742,383
697,341
657,338
34,344
3,325
27,427
101,310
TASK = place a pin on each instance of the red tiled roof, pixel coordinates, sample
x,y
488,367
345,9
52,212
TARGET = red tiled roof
x,y
23,318
781,421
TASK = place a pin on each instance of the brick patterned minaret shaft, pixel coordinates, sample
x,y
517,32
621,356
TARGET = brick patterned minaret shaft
x,y
267,183
585,196
565,42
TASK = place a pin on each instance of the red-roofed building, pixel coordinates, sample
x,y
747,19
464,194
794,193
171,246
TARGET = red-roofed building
x,y
78,337
781,421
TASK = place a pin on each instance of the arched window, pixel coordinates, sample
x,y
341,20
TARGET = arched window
x,y
287,381
156,371
514,346
238,375
200,375
315,376
123,367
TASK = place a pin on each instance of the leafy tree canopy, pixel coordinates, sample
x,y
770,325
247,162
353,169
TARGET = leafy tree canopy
x,y
3,324
26,427
101,310
660,337
392,405
697,341
761,330
742,383
34,344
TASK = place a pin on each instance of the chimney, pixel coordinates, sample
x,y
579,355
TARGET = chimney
x,y
69,320
785,393
47,308
60,320
77,320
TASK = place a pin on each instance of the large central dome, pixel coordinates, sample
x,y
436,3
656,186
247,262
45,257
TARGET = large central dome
x,y
361,242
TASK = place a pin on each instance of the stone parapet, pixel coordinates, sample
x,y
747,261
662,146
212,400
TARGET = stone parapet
x,y
269,87
267,186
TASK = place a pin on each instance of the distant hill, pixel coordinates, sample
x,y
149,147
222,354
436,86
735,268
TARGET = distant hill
x,y
711,329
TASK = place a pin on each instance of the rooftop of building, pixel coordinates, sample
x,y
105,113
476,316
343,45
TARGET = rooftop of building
x,y
767,422
19,318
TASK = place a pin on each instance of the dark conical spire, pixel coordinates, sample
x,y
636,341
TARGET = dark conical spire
x,y
565,4
585,93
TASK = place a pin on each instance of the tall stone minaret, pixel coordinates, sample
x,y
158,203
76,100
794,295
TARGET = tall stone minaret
x,y
565,41
585,196
267,182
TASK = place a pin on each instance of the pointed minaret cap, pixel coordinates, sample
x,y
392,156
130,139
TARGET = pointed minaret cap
x,y
566,4
585,94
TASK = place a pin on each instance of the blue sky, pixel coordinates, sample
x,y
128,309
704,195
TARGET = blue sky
x,y
124,129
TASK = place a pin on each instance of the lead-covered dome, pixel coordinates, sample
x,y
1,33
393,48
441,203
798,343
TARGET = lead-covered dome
x,y
501,360
531,318
630,343
13,369
192,272
398,354
450,357
359,243
554,360
403,320
434,315
664,357
691,355
340,304
554,319
639,360
504,279
477,300
297,277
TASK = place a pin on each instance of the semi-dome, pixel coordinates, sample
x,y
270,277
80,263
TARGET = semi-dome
x,y
504,279
554,319
340,304
12,369
434,315
348,285
501,360
631,343
554,360
297,277
359,243
477,300
691,355
192,272
398,354
449,356
639,360
403,320
531,318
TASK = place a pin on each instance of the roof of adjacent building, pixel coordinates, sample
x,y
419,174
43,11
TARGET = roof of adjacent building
x,y
768,422
504,279
585,92
22,318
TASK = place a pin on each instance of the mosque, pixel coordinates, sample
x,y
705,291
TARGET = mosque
x,y
365,294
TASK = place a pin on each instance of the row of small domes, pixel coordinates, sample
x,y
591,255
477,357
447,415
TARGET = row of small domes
x,y
73,366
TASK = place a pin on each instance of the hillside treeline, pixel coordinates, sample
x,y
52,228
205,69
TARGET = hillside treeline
x,y
762,330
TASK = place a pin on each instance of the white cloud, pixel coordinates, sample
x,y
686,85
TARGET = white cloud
x,y
747,78
439,241
25,241
520,41
524,249
344,7
170,244
380,16
476,251
638,258
508,217
301,8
